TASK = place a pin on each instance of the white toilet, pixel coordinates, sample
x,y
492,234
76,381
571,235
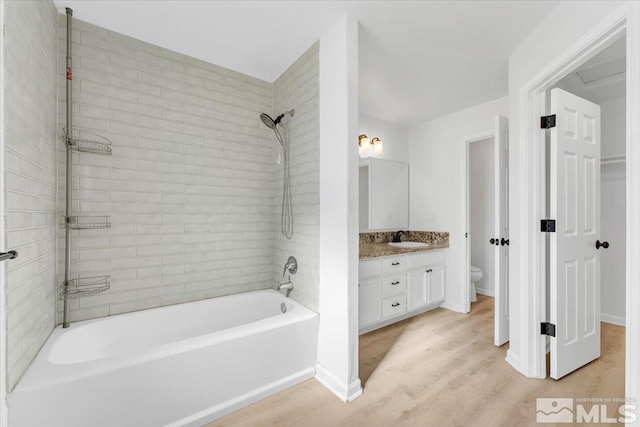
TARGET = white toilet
x,y
475,274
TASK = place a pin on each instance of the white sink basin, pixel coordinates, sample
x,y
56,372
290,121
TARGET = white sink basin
x,y
408,245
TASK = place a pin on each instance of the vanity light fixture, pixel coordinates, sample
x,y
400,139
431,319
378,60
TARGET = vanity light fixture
x,y
369,146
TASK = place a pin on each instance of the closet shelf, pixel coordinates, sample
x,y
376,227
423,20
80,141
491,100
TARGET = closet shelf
x,y
85,222
613,160
88,143
84,287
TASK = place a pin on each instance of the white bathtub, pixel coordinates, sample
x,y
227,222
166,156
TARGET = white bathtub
x,y
182,365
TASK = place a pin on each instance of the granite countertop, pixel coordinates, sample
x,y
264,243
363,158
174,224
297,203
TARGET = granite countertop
x,y
374,250
373,245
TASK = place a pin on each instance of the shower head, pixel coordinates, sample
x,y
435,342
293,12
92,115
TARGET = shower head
x,y
271,123
268,121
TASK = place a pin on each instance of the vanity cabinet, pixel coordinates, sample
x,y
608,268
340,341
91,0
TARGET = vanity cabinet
x,y
393,288
369,309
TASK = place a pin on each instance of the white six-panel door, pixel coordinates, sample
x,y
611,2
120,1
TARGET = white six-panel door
x,y
574,259
501,152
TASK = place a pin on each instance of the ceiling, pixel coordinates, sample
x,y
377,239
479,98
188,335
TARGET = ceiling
x,y
418,59
602,78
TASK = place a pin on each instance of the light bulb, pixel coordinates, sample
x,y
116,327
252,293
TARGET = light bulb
x,y
364,145
377,146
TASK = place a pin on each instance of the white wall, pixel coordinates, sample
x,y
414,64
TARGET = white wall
x,y
395,138
613,212
298,88
569,21
436,190
613,115
30,193
482,211
337,366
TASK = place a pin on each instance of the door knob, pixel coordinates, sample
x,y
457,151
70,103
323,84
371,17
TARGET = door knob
x,y
602,244
492,241
504,241
8,255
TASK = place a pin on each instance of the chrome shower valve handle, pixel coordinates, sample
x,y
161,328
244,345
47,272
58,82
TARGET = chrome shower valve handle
x,y
291,266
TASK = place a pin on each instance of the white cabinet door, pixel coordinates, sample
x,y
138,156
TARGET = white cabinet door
x,y
417,285
435,285
369,301
389,195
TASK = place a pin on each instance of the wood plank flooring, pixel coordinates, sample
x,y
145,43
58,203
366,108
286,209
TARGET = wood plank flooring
x,y
438,369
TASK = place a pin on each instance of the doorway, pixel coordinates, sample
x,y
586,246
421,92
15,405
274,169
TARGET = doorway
x,y
586,197
481,219
485,157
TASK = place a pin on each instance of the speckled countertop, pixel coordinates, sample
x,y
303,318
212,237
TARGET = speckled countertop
x,y
374,245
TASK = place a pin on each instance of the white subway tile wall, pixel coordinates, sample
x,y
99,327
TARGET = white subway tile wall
x,y
298,88
30,173
189,187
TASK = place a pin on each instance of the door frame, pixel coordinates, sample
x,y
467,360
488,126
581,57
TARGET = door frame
x,y
465,144
531,305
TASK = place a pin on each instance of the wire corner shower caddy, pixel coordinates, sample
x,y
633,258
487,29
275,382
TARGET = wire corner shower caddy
x,y
87,142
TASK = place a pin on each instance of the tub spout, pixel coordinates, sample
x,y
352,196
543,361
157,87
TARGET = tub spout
x,y
288,286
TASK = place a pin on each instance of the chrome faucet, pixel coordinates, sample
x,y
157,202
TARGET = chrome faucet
x,y
291,266
287,286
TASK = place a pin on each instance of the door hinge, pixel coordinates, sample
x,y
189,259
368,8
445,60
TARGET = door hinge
x,y
547,328
548,225
548,122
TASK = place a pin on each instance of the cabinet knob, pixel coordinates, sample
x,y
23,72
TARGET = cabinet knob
x,y
395,283
428,271
395,304
395,263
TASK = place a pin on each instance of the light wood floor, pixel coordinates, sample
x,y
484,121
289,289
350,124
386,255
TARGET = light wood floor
x,y
438,369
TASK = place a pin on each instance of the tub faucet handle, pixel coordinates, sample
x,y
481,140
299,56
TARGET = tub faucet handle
x,y
291,266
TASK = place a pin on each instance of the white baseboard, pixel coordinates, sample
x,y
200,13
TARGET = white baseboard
x,y
487,292
453,307
355,390
406,315
345,392
513,360
615,320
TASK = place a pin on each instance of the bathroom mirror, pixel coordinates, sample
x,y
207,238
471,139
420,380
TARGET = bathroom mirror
x,y
383,195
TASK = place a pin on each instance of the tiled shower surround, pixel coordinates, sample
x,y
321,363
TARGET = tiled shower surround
x,y
298,88
192,185
30,173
